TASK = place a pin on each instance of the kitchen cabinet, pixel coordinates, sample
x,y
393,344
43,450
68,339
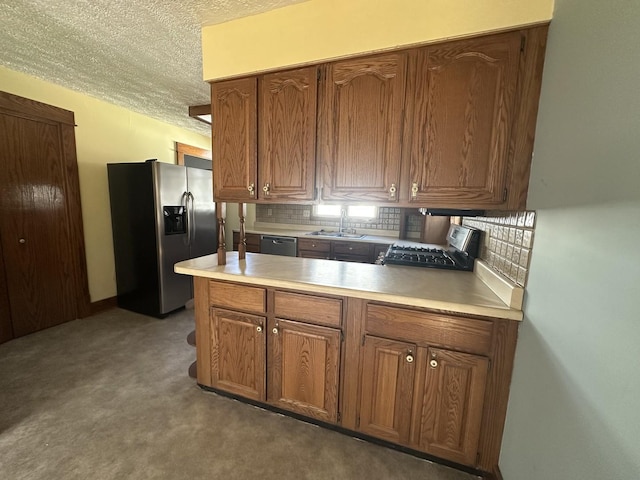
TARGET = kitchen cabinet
x,y
430,381
352,251
304,354
234,139
313,248
417,387
461,119
287,135
448,125
291,339
281,166
238,340
343,250
360,128
386,389
252,241
448,403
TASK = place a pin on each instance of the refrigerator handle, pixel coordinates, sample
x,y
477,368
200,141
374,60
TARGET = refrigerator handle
x,y
192,220
185,204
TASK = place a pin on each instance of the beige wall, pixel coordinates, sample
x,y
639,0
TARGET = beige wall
x,y
573,411
104,133
325,29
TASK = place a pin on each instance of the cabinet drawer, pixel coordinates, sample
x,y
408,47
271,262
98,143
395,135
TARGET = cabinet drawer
x,y
237,297
308,308
316,246
469,335
352,248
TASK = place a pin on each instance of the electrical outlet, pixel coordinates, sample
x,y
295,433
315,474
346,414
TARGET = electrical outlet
x,y
306,213
269,212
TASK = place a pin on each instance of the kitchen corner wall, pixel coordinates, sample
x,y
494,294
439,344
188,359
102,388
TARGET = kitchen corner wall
x,y
507,242
105,133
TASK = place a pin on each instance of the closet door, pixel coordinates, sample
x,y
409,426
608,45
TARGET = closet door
x,y
40,221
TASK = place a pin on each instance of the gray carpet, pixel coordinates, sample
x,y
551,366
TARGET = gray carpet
x,y
108,397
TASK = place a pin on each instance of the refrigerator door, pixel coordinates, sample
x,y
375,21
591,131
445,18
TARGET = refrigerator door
x,y
202,213
170,192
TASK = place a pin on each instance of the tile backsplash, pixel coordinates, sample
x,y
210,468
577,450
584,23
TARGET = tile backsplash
x,y
388,217
507,242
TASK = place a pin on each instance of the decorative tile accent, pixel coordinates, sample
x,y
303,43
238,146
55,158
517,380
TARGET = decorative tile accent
x,y
507,242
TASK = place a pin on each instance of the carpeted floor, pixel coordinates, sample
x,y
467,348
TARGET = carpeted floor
x,y
108,397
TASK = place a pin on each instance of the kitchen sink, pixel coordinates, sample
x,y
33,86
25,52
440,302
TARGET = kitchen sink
x,y
328,233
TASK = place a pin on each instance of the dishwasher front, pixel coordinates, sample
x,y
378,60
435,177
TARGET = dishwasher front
x,y
275,245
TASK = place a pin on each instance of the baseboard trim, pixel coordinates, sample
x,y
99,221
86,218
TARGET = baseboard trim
x,y
102,305
495,475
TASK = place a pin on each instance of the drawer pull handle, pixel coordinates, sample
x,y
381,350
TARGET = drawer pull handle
x,y
433,363
259,329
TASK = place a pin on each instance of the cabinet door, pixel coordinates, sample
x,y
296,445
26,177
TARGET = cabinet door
x,y
461,122
287,126
234,117
303,368
238,353
448,404
361,128
386,389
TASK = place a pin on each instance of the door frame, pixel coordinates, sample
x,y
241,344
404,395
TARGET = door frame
x,y
16,106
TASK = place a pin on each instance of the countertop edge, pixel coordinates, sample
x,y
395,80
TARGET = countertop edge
x,y
451,307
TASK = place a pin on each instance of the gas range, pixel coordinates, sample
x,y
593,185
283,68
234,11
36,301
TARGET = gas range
x,y
460,253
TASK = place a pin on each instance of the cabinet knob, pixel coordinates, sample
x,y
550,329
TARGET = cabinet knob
x,y
275,330
392,191
350,248
433,363
22,241
259,329
414,190
409,358
266,188
251,188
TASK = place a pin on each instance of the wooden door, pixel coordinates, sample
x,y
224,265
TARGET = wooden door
x,y
41,235
234,139
361,128
386,389
461,121
238,362
303,368
287,135
448,404
6,328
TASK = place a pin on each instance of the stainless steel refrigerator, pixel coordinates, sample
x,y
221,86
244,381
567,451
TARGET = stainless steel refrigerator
x,y
161,214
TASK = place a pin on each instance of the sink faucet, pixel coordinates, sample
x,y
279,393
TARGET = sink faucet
x,y
343,214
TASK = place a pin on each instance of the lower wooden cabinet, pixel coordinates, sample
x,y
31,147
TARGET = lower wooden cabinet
x,y
304,363
238,353
448,404
386,389
408,376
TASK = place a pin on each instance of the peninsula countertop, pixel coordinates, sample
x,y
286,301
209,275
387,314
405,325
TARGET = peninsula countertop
x,y
451,291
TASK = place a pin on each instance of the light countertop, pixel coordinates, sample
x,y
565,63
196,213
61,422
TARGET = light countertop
x,y
452,291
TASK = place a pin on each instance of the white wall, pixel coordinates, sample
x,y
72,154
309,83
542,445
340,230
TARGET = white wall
x,y
574,410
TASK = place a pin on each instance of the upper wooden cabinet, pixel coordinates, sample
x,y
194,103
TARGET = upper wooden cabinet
x,y
287,135
360,128
461,119
233,138
281,167
448,125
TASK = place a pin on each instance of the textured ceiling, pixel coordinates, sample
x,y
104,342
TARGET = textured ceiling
x,y
144,55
